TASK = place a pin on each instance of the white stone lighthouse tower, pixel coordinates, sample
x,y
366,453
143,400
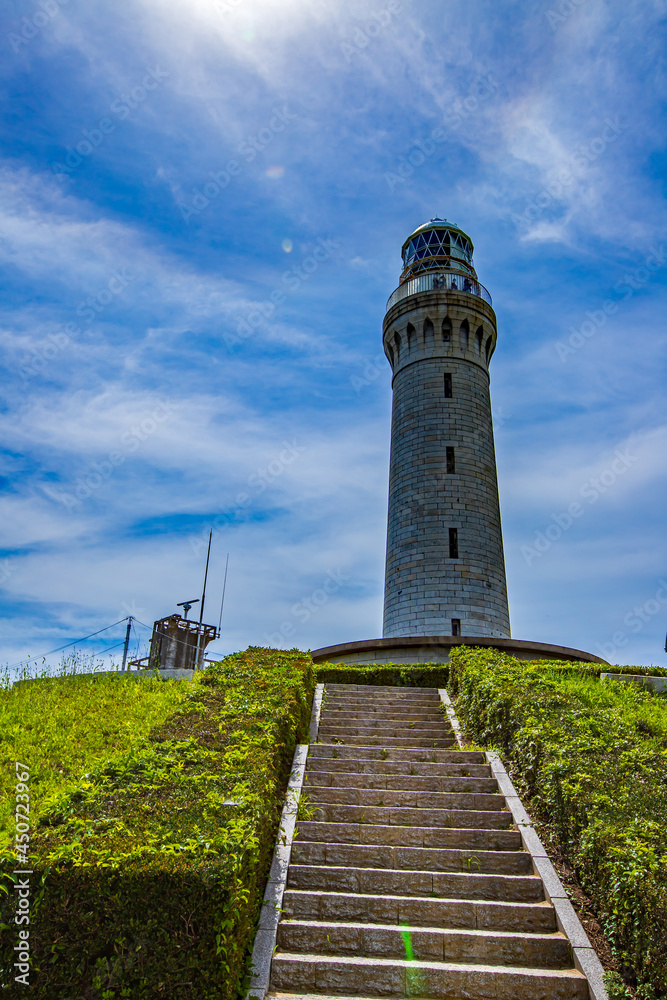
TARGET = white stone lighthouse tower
x,y
445,576
445,571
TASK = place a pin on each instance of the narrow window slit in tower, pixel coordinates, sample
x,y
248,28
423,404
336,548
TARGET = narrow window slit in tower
x,y
448,385
453,543
451,460
456,626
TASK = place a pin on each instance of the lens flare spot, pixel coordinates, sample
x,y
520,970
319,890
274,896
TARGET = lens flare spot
x,y
274,172
407,941
287,245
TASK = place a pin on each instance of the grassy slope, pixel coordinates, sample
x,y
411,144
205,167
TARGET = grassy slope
x,y
66,726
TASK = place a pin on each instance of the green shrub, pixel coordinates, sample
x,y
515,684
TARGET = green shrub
x,y
401,675
616,988
592,759
149,871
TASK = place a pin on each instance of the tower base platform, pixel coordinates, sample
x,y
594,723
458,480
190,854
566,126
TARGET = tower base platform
x,y
436,649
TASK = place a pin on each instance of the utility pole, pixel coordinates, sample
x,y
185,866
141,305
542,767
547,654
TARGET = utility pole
x,y
127,640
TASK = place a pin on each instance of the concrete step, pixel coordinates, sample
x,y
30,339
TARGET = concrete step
x,y
536,918
392,730
370,693
393,882
342,686
398,782
428,944
379,694
409,836
448,885
384,708
406,797
398,816
383,704
329,761
320,751
377,737
359,976
387,742
370,720
399,715
391,689
434,859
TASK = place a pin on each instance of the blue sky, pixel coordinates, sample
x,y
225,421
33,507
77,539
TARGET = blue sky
x,y
203,207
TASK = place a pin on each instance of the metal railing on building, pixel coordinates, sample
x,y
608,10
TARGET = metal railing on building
x,y
439,281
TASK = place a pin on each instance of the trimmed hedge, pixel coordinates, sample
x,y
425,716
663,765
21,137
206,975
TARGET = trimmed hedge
x,y
592,759
637,671
149,875
437,674
393,674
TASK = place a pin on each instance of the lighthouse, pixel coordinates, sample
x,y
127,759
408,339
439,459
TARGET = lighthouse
x,y
445,569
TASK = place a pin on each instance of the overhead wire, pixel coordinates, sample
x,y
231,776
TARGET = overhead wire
x,y
66,646
108,650
85,638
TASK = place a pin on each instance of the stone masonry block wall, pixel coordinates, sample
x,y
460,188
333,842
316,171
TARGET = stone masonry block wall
x,y
427,337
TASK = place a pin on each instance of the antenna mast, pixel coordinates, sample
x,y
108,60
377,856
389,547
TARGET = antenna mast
x,y
203,597
222,602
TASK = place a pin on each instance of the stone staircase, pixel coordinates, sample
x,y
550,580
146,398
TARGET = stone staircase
x,y
407,878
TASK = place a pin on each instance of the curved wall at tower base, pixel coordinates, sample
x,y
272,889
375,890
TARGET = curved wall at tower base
x,y
436,649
